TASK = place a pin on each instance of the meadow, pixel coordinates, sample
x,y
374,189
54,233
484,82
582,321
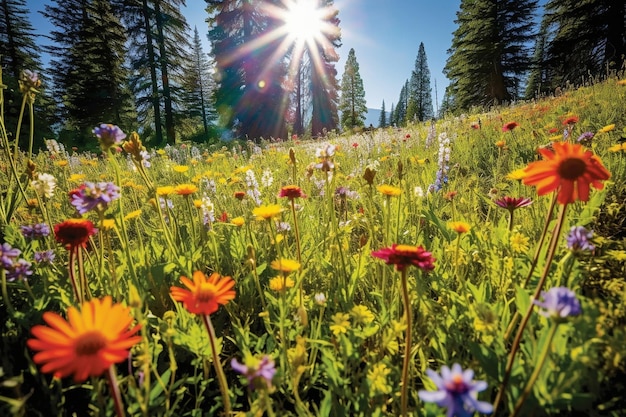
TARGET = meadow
x,y
469,266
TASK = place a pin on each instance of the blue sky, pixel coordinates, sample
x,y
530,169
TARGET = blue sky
x,y
385,36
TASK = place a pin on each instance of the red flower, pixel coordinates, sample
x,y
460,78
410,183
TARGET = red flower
x,y
509,126
355,145
404,255
224,217
570,120
74,232
239,195
553,130
291,192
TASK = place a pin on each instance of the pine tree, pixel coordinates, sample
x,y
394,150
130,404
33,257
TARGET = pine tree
x,y
584,38
401,107
392,116
537,79
382,121
352,103
420,93
490,53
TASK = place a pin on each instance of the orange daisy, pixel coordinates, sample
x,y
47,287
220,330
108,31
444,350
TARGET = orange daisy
x,y
205,294
185,189
88,343
570,169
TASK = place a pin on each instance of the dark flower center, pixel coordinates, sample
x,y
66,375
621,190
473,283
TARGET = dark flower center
x,y
572,168
205,293
90,343
456,385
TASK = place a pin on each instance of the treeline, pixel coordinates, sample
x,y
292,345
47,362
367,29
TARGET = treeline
x,y
138,64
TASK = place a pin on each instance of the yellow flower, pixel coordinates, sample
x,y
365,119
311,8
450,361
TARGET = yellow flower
x,y
185,189
518,174
621,82
180,168
267,212
341,323
242,170
161,151
398,327
281,283
618,147
519,242
555,138
389,190
286,266
197,203
501,144
166,190
77,177
107,224
238,221
377,379
132,215
607,128
459,227
361,314
62,163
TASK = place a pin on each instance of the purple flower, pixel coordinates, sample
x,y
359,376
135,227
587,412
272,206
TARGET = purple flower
x,y
91,196
559,303
19,270
35,231
513,203
109,135
259,372
456,391
585,138
8,255
44,257
578,239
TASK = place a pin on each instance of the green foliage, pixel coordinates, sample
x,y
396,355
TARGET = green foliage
x,y
352,103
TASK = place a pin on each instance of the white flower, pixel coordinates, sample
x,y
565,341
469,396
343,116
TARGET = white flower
x,y
44,185
320,298
267,179
419,192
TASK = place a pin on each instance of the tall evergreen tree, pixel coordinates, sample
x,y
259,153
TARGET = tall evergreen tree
x,y
88,66
537,78
352,103
584,37
19,52
392,116
382,121
324,84
401,107
489,53
420,92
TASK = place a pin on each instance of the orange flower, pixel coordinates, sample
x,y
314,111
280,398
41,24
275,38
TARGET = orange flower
x,y
570,120
459,227
501,144
570,169
185,189
74,232
88,343
205,294
509,126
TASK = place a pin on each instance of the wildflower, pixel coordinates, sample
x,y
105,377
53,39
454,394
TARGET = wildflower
x,y
450,195
570,170
341,323
509,126
475,125
204,295
45,184
73,233
570,121
355,145
419,192
281,283
325,155
459,227
267,212
456,391
109,135
377,379
585,138
238,221
181,169
44,257
559,303
320,298
132,215
404,255
518,174
29,81
291,192
519,242
618,147
578,239
88,343
286,266
501,144
239,195
361,314
35,231
19,270
165,191
621,82
267,179
607,128
185,189
90,196
513,203
259,372
389,190
8,255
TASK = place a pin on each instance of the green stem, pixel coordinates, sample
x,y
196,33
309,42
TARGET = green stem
x,y
115,392
217,364
19,128
5,295
526,318
70,267
537,371
407,345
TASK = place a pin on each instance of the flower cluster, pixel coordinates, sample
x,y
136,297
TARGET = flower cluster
x,y
44,185
442,162
35,231
90,196
578,239
15,268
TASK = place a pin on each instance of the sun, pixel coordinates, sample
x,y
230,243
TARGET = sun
x,y
303,21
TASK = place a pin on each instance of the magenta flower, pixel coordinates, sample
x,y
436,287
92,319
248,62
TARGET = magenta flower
x,y
404,255
456,391
513,203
